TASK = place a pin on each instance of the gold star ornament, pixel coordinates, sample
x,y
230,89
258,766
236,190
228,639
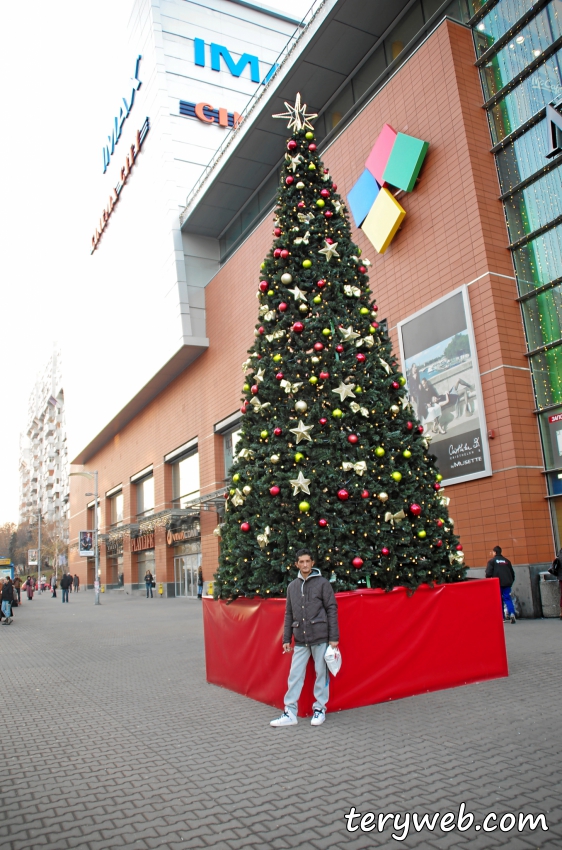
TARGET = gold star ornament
x,y
329,250
300,484
297,115
345,391
301,432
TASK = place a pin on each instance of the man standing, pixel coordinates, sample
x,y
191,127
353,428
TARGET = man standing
x,y
76,583
17,588
501,568
311,616
65,583
7,599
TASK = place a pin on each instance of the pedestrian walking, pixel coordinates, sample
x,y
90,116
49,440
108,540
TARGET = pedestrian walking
x,y
7,599
17,588
501,568
65,583
30,587
53,586
76,583
556,570
200,583
311,617
148,579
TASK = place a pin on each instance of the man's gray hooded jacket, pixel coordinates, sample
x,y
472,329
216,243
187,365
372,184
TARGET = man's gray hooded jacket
x,y
311,613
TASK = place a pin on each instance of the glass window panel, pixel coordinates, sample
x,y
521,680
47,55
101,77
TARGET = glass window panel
x,y
145,496
117,509
551,432
266,195
526,99
369,72
523,49
146,561
547,376
543,317
337,109
497,22
403,33
185,480
535,206
540,260
230,442
475,6
430,7
458,10
523,157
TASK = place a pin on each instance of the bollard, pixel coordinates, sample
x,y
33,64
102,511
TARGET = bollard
x,y
160,589
103,588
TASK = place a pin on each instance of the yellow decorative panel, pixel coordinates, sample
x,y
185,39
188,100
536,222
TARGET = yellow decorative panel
x,y
383,221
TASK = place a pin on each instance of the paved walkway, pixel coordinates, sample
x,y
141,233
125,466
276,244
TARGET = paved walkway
x,y
137,750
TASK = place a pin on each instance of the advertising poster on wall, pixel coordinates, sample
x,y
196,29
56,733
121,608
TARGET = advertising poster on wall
x,y
32,557
86,544
440,364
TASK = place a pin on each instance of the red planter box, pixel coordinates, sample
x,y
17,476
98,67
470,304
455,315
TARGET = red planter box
x,y
393,645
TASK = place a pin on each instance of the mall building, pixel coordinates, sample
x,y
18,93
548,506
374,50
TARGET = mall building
x,y
468,288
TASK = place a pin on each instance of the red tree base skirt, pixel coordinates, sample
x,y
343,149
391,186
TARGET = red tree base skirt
x,y
393,645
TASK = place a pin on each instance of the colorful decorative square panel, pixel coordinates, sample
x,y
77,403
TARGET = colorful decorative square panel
x,y
394,163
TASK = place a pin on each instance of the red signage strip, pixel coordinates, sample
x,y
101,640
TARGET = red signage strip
x,y
145,541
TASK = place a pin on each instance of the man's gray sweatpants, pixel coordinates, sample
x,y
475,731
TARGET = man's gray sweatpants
x,y
301,654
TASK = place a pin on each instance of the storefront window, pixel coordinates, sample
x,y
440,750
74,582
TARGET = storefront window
x,y
116,509
547,375
521,50
540,260
146,561
534,206
550,423
145,496
543,317
523,157
526,99
497,22
230,442
185,480
115,570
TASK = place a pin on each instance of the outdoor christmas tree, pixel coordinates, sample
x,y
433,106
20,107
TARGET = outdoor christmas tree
x,y
331,456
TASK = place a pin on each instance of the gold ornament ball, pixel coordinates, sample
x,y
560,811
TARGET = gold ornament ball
x,y
298,457
247,490
274,458
395,409
301,406
300,185
303,308
286,278
315,360
382,497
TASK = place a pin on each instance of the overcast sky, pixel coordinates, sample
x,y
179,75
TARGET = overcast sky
x,y
63,67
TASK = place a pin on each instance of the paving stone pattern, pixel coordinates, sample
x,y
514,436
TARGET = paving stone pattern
x,y
136,750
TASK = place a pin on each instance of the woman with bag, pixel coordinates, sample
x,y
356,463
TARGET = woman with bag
x,y
29,586
7,599
149,582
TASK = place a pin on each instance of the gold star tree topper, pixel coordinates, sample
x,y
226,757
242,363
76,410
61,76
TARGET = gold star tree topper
x,y
297,115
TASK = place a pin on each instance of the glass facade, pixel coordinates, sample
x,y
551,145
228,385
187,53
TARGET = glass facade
x,y
145,496
185,480
520,85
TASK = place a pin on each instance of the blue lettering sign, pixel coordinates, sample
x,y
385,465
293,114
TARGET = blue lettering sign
x,y
219,51
119,120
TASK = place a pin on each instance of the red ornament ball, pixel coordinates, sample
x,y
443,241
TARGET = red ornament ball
x,y
339,348
301,205
437,486
279,376
439,523
343,495
322,523
328,214
375,324
334,186
362,269
375,308
284,254
385,550
274,491
264,285
261,329
395,385
244,526
277,253
292,145
324,376
323,420
419,429
289,180
243,409
360,357
277,231
320,284
319,346
329,241
458,547
298,327
365,494
312,147
283,307
438,543
357,563
277,431
415,509
409,425
325,193
352,438
226,495
255,389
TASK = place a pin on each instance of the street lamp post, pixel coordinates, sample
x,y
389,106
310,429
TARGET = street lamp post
x,y
39,540
94,475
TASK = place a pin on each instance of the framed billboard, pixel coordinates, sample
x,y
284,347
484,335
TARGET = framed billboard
x,y
441,367
86,544
32,557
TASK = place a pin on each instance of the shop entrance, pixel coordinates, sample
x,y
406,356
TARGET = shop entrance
x,y
185,572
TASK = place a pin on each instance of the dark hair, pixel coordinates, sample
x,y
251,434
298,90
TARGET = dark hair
x,y
498,550
302,552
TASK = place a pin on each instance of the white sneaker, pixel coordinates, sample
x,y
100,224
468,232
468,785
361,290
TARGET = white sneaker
x,y
318,717
286,719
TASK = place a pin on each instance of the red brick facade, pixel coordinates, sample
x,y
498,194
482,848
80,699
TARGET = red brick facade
x,y
454,234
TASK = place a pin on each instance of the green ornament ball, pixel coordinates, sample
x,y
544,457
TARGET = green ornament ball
x,y
337,413
317,299
304,507
402,380
246,388
277,358
313,379
379,451
422,534
357,390
326,331
309,135
439,477
364,311
264,435
262,267
236,478
298,457
397,476
232,492
306,264
371,329
407,453
312,167
270,292
320,203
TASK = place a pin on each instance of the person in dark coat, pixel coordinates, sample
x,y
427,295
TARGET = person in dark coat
x,y
200,583
17,588
65,583
501,568
311,617
76,583
556,570
148,579
7,599
30,586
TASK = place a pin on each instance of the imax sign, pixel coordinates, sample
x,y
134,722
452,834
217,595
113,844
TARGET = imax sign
x,y
221,58
121,117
